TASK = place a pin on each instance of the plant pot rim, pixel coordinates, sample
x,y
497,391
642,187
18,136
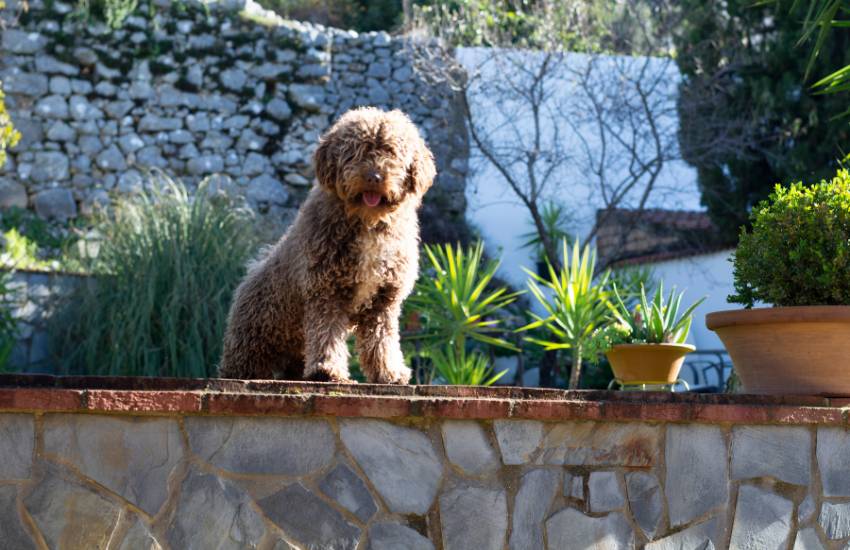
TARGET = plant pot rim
x,y
665,345
772,315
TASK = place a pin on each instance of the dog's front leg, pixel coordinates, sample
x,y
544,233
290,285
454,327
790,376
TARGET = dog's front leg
x,y
326,328
378,344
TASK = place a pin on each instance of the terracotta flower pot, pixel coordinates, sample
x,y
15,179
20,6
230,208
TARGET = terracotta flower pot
x,y
788,350
650,364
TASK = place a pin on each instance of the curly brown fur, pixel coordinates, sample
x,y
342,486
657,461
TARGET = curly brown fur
x,y
346,264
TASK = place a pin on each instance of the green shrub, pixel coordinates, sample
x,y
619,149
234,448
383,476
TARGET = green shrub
x,y
798,251
9,137
8,324
166,271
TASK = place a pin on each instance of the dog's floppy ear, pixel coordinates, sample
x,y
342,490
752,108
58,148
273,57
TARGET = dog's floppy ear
x,y
325,162
421,173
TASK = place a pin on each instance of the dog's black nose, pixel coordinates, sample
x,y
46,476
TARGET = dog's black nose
x,y
374,177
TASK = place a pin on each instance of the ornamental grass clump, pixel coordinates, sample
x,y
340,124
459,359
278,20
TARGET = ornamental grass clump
x,y
164,277
798,250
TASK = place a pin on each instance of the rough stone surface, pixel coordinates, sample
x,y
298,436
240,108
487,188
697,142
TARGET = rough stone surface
x,y
133,457
569,528
213,514
56,204
646,501
473,517
139,537
782,452
281,446
807,539
401,463
518,439
345,487
605,492
71,516
573,486
13,534
834,519
762,519
601,444
706,535
468,448
392,536
50,166
833,451
309,520
536,491
17,434
697,472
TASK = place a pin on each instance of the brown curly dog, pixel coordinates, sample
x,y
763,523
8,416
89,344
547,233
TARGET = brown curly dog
x,y
347,262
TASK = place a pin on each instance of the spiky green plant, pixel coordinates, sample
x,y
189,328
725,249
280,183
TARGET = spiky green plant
x,y
464,368
655,321
166,271
576,303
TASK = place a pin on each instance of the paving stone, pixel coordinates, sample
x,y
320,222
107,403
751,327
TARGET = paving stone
x,y
280,446
807,539
573,486
518,439
645,501
706,535
833,451
569,528
468,448
139,537
834,519
536,490
806,510
697,472
307,519
17,434
782,452
71,516
762,519
213,513
601,444
133,457
55,204
400,462
473,517
392,536
13,533
346,488
605,492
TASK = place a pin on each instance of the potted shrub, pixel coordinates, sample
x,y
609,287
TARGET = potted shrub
x,y
796,258
645,344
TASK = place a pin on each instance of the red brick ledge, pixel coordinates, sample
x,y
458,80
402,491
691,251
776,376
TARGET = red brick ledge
x,y
168,396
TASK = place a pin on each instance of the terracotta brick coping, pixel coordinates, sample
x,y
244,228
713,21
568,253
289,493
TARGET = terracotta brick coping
x,y
169,396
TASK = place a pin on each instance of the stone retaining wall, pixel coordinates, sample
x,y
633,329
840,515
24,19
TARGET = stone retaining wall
x,y
134,463
197,90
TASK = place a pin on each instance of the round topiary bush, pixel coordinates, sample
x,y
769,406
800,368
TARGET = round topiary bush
x,y
798,250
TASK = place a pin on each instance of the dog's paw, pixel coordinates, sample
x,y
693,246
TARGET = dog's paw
x,y
400,375
325,376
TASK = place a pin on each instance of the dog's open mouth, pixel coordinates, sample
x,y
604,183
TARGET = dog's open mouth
x,y
372,199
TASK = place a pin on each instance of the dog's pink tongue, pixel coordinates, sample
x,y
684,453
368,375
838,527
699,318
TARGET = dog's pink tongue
x,y
371,199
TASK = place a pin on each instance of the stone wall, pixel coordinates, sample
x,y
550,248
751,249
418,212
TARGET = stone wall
x,y
197,91
224,464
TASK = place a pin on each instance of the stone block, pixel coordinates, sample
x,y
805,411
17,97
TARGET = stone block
x,y
213,513
570,528
307,519
808,539
400,462
518,439
762,519
646,501
22,42
697,478
274,446
17,441
132,457
706,535
536,491
601,444
781,452
605,492
12,194
468,448
834,519
50,166
473,517
139,537
573,486
833,452
393,536
13,533
347,489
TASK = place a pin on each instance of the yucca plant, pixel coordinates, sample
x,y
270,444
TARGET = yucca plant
x,y
165,274
456,304
656,321
576,302
555,219
464,368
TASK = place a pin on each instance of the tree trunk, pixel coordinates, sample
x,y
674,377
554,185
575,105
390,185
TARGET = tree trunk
x,y
575,371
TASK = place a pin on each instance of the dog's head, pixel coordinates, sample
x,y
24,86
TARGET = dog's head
x,y
374,161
